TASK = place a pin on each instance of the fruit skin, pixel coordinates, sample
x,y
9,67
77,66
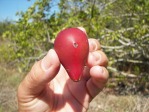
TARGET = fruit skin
x,y
72,48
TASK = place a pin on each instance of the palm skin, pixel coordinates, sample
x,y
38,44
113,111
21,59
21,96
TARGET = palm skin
x,y
67,95
52,90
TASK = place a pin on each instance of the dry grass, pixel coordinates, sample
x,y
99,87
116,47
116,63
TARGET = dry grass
x,y
7,99
9,80
112,103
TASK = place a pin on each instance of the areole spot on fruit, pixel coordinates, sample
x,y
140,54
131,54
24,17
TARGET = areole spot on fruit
x,y
75,44
72,48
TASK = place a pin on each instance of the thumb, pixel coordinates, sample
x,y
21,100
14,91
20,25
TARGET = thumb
x,y
41,73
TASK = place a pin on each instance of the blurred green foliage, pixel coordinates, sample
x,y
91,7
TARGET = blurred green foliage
x,y
122,27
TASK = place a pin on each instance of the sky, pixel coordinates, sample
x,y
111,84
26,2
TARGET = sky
x,y
8,8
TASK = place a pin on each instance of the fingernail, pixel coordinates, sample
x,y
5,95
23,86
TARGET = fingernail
x,y
92,45
100,70
45,63
96,56
81,28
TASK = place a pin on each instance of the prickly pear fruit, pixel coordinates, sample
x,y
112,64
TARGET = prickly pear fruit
x,y
72,48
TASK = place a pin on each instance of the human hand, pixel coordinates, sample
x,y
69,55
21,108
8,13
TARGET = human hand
x,y
48,88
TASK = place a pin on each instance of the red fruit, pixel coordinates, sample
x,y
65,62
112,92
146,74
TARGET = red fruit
x,y
72,48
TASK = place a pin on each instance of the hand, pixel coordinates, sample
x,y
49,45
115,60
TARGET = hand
x,y
48,88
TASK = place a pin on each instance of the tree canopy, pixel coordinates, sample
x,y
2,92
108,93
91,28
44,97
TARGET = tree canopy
x,y
121,26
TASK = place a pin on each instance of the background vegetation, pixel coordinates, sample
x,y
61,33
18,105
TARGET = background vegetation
x,y
121,26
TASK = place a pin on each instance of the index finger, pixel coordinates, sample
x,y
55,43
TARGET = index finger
x,y
93,43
